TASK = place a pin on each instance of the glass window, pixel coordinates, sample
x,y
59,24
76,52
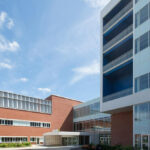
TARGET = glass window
x,y
138,141
34,106
23,98
145,142
15,96
27,105
23,105
5,94
141,83
49,109
31,106
143,111
10,103
19,104
46,109
137,19
144,14
149,33
15,104
149,10
43,108
19,97
149,80
144,82
144,41
136,1
5,102
137,45
1,94
1,101
38,107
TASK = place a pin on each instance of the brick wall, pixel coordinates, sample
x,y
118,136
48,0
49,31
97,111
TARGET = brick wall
x,y
122,128
61,118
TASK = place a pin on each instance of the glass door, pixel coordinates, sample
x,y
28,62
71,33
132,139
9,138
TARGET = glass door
x,y
138,141
37,141
145,142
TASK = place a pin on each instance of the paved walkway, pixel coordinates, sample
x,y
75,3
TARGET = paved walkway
x,y
41,147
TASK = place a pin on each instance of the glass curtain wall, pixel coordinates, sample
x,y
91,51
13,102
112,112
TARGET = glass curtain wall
x,y
20,102
87,110
142,126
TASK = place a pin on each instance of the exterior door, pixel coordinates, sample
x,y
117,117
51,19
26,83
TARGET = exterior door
x,y
38,141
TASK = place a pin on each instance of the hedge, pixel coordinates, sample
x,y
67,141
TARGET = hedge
x,y
25,144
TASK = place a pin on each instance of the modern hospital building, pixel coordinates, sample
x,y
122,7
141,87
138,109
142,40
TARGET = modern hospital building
x,y
52,121
125,70
24,118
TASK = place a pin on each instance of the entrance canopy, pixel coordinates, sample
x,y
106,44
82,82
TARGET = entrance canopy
x,y
66,138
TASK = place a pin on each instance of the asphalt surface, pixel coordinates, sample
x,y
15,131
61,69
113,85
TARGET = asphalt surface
x,y
61,148
57,148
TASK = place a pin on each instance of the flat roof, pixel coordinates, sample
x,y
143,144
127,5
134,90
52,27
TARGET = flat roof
x,y
65,133
86,103
63,98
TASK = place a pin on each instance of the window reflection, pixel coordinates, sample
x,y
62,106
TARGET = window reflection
x,y
10,100
87,110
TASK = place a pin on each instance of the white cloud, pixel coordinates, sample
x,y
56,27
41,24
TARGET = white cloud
x,y
5,65
23,79
3,16
10,23
6,45
82,72
97,3
45,90
5,20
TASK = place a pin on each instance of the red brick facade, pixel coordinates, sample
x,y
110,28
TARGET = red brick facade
x,y
61,118
122,128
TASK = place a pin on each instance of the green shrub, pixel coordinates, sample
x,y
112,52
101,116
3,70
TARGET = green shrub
x,y
3,145
117,147
27,144
128,148
15,144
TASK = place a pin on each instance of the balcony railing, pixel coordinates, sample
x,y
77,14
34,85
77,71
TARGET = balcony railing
x,y
122,93
119,60
118,37
117,16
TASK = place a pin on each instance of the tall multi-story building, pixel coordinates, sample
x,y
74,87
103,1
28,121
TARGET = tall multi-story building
x,y
125,70
88,118
24,118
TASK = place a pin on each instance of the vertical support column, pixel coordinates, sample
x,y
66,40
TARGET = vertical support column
x,y
133,125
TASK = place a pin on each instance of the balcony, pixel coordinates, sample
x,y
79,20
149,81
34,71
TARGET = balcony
x,y
122,13
119,94
118,38
118,61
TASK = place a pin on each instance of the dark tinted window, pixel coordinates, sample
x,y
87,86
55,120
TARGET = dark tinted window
x,y
144,82
144,41
144,14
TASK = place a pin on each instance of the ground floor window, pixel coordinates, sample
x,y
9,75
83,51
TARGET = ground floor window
x,y
105,139
36,140
13,139
75,140
142,141
70,141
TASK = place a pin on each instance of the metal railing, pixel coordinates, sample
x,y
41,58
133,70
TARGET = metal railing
x,y
119,94
117,16
118,60
118,37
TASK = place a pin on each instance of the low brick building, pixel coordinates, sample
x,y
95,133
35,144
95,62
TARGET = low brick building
x,y
25,118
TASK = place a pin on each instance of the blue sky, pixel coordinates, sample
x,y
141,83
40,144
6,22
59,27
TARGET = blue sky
x,y
50,47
